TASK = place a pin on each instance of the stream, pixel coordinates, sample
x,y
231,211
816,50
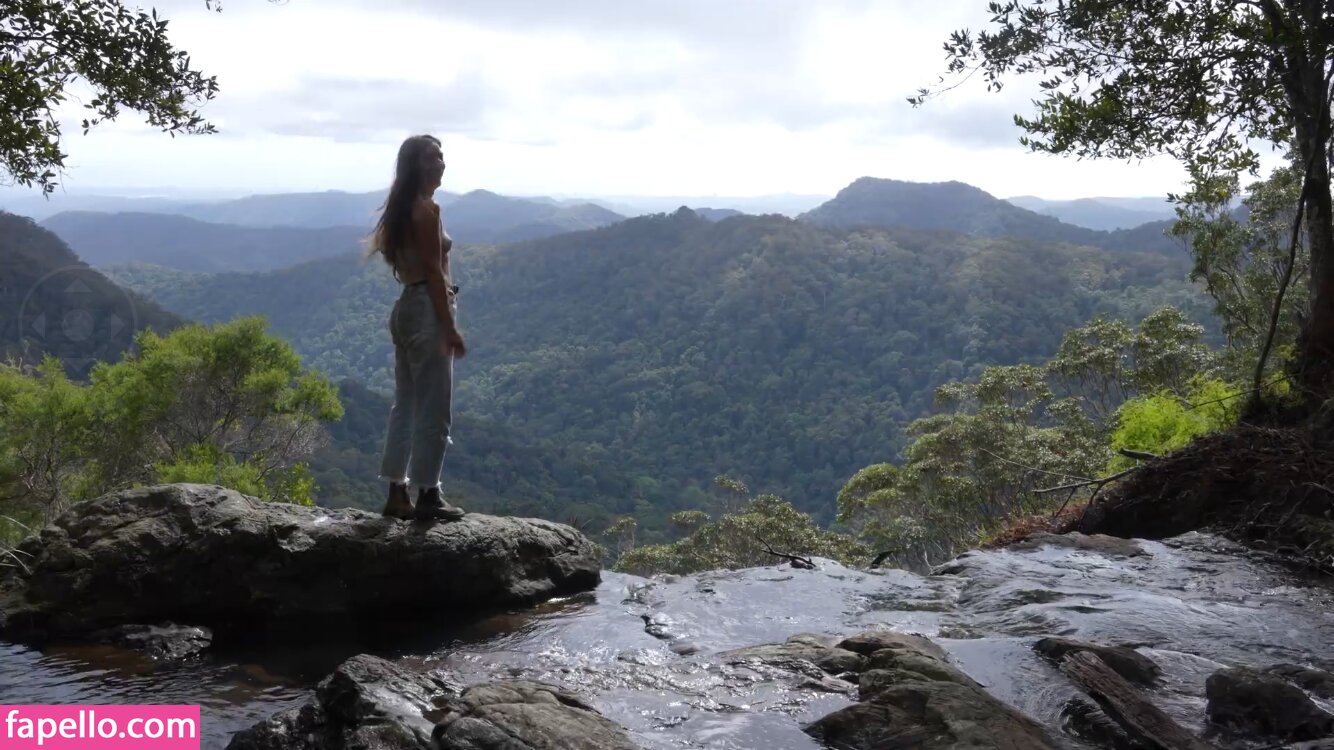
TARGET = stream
x,y
644,651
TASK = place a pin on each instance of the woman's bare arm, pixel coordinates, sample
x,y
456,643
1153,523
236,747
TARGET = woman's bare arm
x,y
426,238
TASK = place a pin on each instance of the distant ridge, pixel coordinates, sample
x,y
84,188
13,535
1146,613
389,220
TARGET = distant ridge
x,y
56,304
1100,213
959,207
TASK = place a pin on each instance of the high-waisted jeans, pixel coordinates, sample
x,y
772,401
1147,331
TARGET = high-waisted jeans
x,y
414,448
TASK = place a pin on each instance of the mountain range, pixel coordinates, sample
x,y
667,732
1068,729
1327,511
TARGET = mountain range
x,y
478,216
675,348
481,217
338,208
629,364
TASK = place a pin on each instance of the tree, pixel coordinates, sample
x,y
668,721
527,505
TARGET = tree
x,y
226,405
741,540
1243,259
1023,428
122,55
209,392
1199,81
45,431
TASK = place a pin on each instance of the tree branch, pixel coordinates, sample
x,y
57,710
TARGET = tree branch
x,y
1138,455
796,560
1277,311
1026,467
1098,483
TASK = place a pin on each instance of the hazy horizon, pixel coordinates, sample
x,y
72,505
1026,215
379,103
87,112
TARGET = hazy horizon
x,y
204,194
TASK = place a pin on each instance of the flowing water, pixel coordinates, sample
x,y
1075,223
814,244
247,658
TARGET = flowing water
x,y
1193,604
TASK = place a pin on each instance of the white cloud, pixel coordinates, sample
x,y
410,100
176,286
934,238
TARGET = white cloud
x,y
590,97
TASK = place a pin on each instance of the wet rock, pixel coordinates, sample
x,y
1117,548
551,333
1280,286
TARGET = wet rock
x,y
1088,722
895,665
930,716
168,641
208,555
816,649
836,661
827,684
684,648
658,626
1127,662
1145,723
369,703
1251,702
521,715
366,703
1100,543
878,640
814,640
1316,681
912,697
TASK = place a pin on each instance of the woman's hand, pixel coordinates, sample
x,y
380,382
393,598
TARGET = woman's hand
x,y
454,343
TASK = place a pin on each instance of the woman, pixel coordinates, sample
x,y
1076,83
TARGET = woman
x,y
426,337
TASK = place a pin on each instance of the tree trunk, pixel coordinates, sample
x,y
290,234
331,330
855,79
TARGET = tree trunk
x,y
1315,361
1307,89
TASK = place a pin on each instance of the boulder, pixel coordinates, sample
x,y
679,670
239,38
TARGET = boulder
x,y
1127,662
521,715
929,715
911,696
1251,702
366,703
1316,681
371,703
207,555
878,640
891,666
168,641
1089,722
816,649
1102,544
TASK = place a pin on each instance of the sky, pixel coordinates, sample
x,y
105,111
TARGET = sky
x,y
587,98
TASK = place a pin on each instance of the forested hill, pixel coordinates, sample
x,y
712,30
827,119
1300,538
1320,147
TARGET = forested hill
x,y
60,306
55,304
677,348
191,245
958,207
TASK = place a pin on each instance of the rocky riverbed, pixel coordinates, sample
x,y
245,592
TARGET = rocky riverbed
x,y
1206,633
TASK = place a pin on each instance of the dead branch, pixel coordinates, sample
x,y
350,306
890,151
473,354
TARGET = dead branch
x,y
1138,455
881,558
1026,467
1096,483
11,554
796,560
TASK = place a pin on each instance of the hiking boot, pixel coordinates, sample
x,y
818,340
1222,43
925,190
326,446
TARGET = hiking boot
x,y
432,507
398,505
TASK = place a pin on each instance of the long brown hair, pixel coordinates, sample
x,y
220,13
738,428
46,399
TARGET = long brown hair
x,y
391,231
